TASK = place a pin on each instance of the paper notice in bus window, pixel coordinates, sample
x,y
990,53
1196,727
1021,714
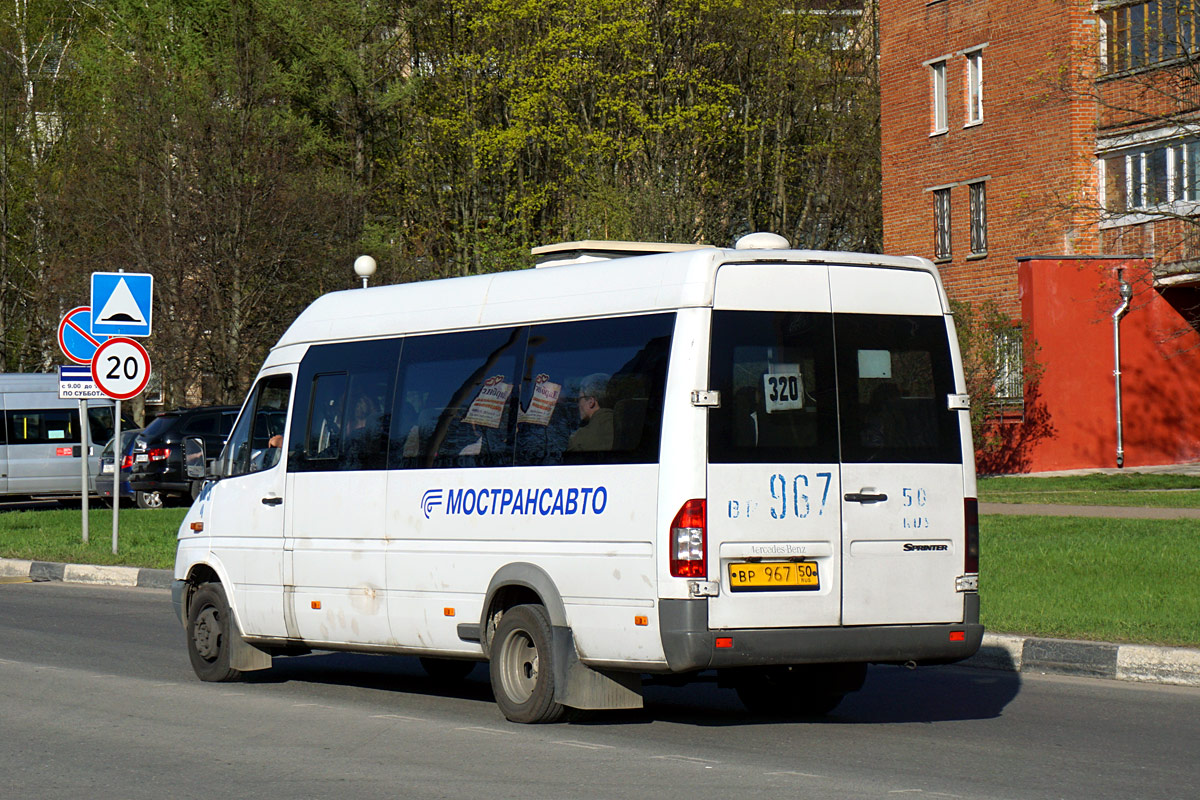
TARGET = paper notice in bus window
x,y
875,364
541,405
488,407
783,389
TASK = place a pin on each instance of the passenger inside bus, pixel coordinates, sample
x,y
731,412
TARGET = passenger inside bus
x,y
595,430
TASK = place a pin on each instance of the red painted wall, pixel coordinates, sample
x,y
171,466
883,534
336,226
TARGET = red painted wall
x,y
1070,414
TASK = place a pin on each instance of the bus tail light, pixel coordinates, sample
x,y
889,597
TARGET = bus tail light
x,y
971,559
689,545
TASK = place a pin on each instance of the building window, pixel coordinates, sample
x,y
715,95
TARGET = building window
x,y
938,75
941,213
978,218
975,87
1147,33
1152,176
1010,360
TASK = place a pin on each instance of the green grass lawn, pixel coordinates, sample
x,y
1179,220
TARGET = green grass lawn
x,y
1071,577
1088,578
1129,489
145,537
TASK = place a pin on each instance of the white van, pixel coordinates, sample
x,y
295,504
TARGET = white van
x,y
40,436
754,460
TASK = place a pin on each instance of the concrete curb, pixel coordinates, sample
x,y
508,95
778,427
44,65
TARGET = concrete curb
x,y
87,574
1178,666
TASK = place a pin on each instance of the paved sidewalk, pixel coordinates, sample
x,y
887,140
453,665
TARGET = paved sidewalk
x,y
1169,665
1116,512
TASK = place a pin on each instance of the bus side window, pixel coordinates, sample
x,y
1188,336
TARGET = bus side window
x,y
343,405
593,391
249,448
455,400
43,426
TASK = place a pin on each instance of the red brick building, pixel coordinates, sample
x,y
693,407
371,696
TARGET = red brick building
x,y
1032,150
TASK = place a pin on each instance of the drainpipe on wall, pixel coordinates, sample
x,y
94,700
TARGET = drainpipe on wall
x,y
1126,292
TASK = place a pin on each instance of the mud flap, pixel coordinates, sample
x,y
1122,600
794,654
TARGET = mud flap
x,y
244,656
579,686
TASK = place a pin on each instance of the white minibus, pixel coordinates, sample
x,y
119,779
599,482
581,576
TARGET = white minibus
x,y
41,438
754,462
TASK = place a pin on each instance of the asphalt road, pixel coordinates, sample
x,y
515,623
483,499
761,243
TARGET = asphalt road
x,y
97,700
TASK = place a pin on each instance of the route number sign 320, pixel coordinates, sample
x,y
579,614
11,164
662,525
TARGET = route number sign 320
x,y
121,368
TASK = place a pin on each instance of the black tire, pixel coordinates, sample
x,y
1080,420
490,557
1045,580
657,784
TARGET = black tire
x,y
798,691
522,666
210,630
447,670
149,499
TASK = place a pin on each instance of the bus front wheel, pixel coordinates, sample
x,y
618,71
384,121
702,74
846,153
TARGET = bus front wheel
x,y
522,668
209,635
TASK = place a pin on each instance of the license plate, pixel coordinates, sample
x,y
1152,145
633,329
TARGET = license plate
x,y
767,576
141,458
106,469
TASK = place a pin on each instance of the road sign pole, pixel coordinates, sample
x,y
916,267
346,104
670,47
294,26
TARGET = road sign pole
x,y
116,471
83,440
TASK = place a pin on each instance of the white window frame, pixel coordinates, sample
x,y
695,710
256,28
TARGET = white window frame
x,y
974,87
1009,384
939,107
1182,198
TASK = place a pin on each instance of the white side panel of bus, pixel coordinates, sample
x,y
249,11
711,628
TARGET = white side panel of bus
x,y
247,538
589,528
336,542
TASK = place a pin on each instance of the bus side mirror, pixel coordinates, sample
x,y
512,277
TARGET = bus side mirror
x,y
193,458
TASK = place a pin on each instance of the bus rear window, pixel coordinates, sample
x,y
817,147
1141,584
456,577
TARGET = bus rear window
x,y
775,373
790,395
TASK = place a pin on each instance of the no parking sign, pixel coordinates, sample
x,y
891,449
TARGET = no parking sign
x,y
75,337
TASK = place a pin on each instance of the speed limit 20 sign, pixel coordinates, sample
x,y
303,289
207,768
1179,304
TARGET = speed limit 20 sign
x,y
121,368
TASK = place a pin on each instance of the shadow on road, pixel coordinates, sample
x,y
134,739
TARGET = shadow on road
x,y
891,695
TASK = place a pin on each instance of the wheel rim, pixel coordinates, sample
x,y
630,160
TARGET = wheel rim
x,y
519,666
206,634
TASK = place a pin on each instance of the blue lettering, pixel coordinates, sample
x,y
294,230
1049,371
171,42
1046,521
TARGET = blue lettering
x,y
495,499
557,508
572,501
518,503
583,504
597,506
454,501
781,496
531,501
507,499
733,509
469,493
481,509
541,506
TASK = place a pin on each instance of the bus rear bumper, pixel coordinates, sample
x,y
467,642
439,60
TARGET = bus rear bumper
x,y
690,645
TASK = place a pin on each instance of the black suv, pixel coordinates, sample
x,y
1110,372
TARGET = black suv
x,y
158,472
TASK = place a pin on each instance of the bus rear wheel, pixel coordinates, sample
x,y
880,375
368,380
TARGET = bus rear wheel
x,y
522,667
